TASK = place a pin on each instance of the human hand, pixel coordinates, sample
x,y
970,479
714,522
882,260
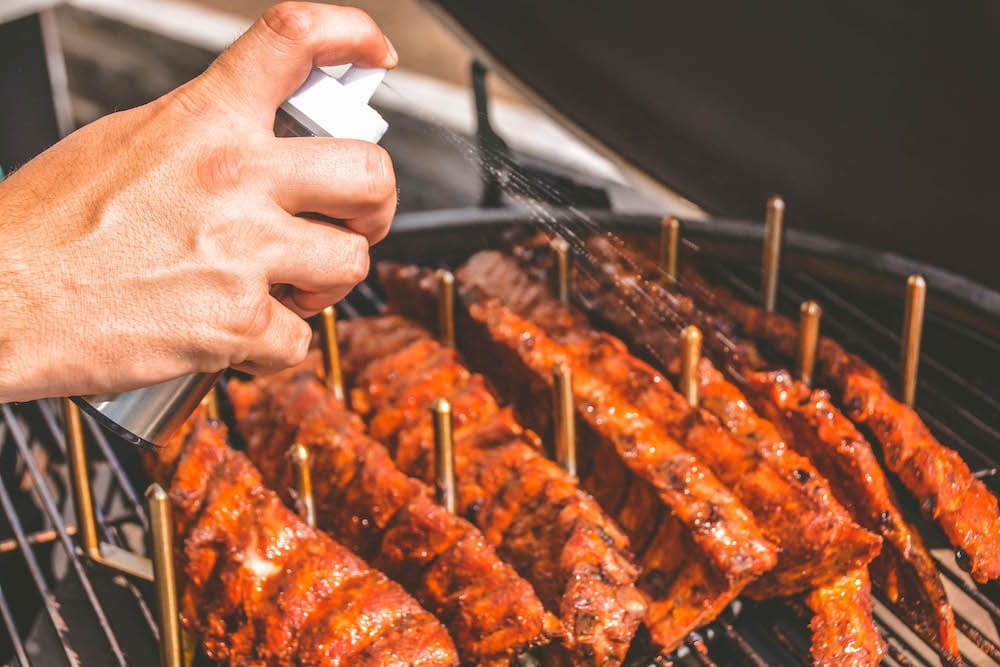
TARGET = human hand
x,y
144,246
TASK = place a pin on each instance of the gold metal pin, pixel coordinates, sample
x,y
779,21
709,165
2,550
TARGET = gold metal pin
x,y
446,307
444,454
809,317
299,455
690,355
211,403
102,553
82,494
771,258
560,265
565,417
669,238
331,352
913,325
162,530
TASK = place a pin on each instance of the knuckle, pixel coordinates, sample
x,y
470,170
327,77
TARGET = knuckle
x,y
298,344
380,177
250,317
356,262
290,23
224,168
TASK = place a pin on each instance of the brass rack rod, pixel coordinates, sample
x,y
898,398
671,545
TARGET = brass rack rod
x,y
771,258
913,324
565,417
560,266
810,314
669,240
446,307
444,454
690,355
300,458
331,352
165,578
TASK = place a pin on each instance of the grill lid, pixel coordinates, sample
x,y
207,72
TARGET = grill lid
x,y
875,121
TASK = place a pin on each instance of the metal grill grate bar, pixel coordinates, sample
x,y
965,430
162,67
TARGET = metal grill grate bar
x,y
34,569
53,514
98,435
8,620
108,529
986,603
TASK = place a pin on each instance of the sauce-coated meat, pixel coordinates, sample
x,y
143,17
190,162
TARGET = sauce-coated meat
x,y
391,519
540,521
260,587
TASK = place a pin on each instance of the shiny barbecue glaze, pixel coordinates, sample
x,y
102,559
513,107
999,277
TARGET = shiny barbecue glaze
x,y
534,513
687,591
792,503
260,587
843,631
620,295
390,519
935,474
904,572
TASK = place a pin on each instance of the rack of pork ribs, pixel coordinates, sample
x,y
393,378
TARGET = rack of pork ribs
x,y
390,519
763,456
257,586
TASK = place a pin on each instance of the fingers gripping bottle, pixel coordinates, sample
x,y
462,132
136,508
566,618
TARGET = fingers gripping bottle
x,y
324,106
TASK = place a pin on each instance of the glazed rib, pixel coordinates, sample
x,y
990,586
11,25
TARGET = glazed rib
x,y
539,520
904,571
687,593
833,607
792,503
843,631
389,518
259,587
687,596
936,475
522,356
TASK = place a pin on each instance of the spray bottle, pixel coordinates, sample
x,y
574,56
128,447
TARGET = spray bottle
x,y
324,106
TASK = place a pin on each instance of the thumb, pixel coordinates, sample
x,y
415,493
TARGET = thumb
x,y
273,58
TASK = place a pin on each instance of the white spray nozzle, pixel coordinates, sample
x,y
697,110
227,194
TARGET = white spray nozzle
x,y
333,107
361,82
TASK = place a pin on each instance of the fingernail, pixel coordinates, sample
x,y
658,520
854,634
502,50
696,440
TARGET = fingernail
x,y
393,59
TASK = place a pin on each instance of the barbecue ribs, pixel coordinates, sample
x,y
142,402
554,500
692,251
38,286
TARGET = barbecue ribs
x,y
843,631
259,587
792,503
935,474
388,518
532,511
688,593
812,425
904,570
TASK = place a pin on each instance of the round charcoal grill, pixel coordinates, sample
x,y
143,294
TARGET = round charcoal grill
x,y
57,607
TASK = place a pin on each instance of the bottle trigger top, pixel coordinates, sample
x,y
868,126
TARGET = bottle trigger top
x,y
332,107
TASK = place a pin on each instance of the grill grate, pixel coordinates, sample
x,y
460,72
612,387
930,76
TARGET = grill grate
x,y
57,607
